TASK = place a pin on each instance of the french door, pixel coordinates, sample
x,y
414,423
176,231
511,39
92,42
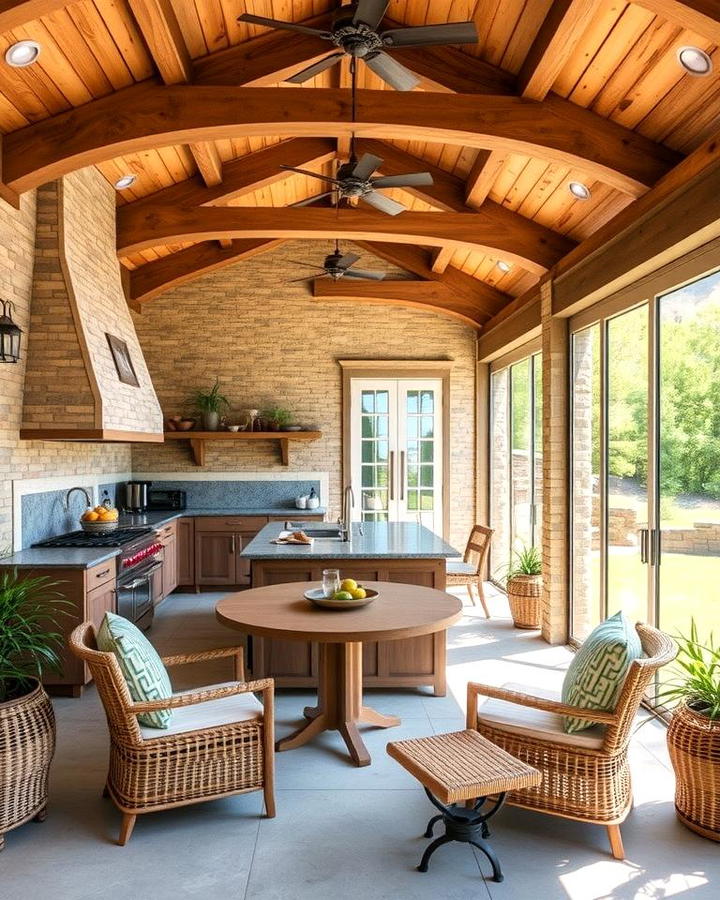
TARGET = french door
x,y
396,453
646,460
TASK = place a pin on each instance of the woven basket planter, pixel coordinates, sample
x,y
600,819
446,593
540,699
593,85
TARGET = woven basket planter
x,y
524,592
694,745
27,745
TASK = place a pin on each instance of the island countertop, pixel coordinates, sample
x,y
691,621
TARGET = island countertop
x,y
380,540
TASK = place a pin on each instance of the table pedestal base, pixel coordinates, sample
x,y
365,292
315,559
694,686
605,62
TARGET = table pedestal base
x,y
469,826
340,706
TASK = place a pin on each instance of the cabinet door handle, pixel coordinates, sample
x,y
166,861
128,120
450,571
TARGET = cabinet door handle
x,y
402,474
392,474
103,573
232,546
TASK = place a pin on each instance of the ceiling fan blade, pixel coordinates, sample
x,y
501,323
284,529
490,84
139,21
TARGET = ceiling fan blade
x,y
285,26
370,12
366,166
296,280
424,35
383,203
296,262
412,179
310,174
391,71
364,273
311,200
346,261
315,69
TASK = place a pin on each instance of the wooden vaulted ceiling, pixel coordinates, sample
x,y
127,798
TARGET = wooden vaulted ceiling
x,y
193,103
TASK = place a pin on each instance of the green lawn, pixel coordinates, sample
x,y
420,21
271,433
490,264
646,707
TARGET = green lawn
x,y
673,515
689,587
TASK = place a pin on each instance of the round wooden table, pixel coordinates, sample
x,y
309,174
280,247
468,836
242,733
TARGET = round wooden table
x,y
281,611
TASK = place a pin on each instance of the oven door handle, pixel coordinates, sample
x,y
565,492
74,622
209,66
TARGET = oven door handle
x,y
145,574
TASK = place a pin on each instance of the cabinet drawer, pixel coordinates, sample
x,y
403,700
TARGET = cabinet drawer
x,y
230,523
167,531
100,574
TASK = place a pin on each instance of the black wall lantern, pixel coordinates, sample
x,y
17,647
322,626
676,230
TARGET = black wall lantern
x,y
9,334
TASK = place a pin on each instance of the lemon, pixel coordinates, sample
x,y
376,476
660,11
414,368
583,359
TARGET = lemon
x,y
348,584
359,593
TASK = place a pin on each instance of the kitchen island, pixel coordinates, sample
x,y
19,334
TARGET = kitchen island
x,y
400,552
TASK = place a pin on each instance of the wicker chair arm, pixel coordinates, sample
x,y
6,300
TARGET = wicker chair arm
x,y
204,655
191,698
555,706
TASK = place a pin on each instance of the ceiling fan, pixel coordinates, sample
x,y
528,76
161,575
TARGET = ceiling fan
x,y
336,266
355,32
354,181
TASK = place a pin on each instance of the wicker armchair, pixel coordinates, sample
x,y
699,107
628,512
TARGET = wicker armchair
x,y
470,571
586,776
220,741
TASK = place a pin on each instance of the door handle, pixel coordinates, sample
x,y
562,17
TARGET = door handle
x,y
402,474
655,547
232,545
392,474
643,545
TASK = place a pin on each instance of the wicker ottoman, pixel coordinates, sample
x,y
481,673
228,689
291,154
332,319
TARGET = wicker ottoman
x,y
458,767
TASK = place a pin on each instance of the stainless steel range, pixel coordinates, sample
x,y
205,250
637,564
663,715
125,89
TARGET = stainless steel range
x,y
137,561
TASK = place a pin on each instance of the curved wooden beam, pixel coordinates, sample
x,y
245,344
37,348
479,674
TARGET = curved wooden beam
x,y
519,240
150,115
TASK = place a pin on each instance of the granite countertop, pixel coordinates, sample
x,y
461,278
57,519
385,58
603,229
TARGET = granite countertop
x,y
388,540
87,557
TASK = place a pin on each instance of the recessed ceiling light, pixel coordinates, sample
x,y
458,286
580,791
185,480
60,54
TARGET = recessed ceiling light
x,y
503,266
24,53
579,190
125,181
695,61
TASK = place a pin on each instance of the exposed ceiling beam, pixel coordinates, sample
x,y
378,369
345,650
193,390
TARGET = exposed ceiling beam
x,y
482,176
448,69
240,176
15,13
154,278
559,35
487,299
440,259
488,230
700,16
163,115
161,32
430,295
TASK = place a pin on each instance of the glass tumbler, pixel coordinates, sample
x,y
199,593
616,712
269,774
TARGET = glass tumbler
x,y
330,581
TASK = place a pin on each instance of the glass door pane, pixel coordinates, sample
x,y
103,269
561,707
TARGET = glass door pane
x,y
375,455
587,606
420,445
521,459
537,450
500,472
689,451
626,447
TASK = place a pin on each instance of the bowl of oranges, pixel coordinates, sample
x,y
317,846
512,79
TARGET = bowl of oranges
x,y
99,519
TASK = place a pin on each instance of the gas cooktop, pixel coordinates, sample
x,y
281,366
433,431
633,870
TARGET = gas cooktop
x,y
117,538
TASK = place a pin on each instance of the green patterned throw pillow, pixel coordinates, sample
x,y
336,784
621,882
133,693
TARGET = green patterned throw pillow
x,y
598,669
144,671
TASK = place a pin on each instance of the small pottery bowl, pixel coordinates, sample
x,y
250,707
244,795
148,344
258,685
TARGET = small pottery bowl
x,y
171,425
185,424
316,597
291,428
233,428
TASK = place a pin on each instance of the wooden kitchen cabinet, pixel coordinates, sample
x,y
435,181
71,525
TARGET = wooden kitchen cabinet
x,y
168,538
185,547
218,542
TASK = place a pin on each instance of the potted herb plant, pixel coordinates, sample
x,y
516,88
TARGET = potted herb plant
x,y
277,417
209,404
694,733
29,642
524,587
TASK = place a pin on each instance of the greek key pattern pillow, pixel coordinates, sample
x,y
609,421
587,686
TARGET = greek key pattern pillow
x,y
598,669
145,674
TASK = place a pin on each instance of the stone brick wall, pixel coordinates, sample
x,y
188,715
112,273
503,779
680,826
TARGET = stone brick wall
x,y
268,342
78,299
33,459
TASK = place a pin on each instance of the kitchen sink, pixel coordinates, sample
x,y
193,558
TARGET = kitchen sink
x,y
314,532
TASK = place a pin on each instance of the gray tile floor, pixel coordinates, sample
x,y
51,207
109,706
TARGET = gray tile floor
x,y
341,831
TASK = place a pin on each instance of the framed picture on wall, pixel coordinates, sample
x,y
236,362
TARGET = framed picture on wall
x,y
123,363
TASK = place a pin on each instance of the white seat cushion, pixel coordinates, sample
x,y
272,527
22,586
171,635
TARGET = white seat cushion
x,y
537,723
225,711
458,567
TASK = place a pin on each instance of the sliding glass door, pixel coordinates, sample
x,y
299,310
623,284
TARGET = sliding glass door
x,y
515,459
645,460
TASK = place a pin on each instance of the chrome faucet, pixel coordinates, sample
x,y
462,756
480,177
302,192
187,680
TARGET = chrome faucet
x,y
345,524
68,494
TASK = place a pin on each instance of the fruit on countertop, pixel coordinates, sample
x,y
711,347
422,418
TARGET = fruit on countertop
x,y
348,584
359,593
350,590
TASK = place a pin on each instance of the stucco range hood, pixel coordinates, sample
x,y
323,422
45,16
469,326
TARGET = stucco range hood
x,y
72,387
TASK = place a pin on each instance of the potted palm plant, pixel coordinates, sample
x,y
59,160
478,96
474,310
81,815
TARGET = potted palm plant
x,y
524,587
694,733
29,642
209,404
277,417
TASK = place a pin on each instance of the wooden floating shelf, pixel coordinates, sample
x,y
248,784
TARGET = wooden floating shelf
x,y
198,439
